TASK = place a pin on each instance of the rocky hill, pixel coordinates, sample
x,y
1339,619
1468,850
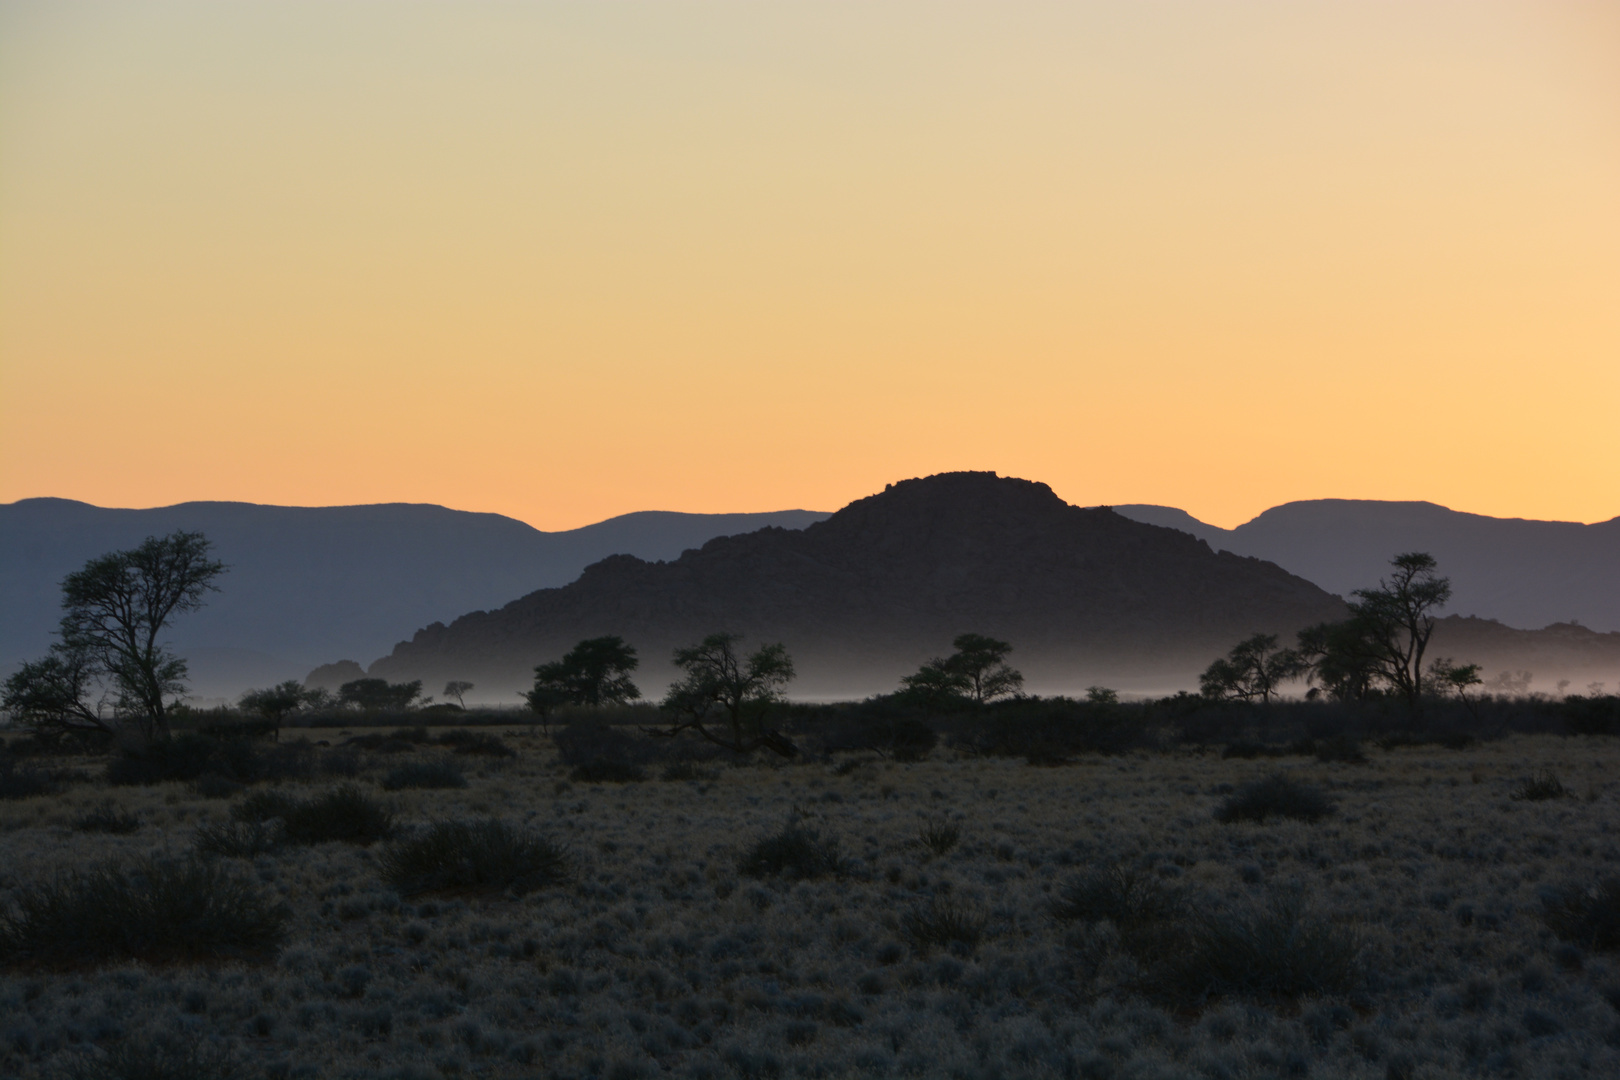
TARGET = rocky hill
x,y
863,597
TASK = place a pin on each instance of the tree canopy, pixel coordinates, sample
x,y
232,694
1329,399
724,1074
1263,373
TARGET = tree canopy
x,y
977,671
722,690
594,672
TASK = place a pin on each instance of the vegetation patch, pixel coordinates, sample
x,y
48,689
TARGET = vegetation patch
x,y
1586,915
424,774
345,814
23,781
108,817
1280,951
944,923
939,835
473,857
1540,787
796,852
1132,901
1275,796
166,1056
239,839
157,912
480,743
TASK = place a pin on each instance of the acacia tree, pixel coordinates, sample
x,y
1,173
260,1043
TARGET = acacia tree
x,y
114,612
594,672
458,688
274,704
722,690
976,671
1253,669
1380,646
379,695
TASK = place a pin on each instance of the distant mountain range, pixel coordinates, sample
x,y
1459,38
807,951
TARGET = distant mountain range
x,y
308,585
311,585
1524,573
1085,595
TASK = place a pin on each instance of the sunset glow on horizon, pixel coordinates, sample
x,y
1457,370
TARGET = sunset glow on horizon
x,y
567,261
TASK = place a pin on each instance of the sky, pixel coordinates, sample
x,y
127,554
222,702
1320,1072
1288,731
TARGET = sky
x,y
567,261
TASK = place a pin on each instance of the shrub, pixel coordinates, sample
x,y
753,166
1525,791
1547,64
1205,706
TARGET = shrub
x,y
1129,900
239,839
397,741
795,852
1275,796
108,818
345,813
474,857
22,782
939,835
688,770
424,774
1342,748
184,757
153,911
607,771
1541,786
944,923
597,753
1588,915
476,742
214,786
1276,952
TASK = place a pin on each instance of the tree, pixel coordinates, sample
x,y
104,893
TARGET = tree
x,y
52,696
379,695
594,672
1253,669
457,688
740,696
979,660
114,612
278,702
1456,679
935,686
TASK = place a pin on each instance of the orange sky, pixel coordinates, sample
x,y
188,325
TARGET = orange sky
x,y
564,261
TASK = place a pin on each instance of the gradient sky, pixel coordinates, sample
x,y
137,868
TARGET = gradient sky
x,y
564,261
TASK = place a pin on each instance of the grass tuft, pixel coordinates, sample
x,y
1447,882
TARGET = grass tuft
x,y
939,835
795,852
1275,796
107,818
239,839
161,1057
473,857
946,923
1541,786
152,911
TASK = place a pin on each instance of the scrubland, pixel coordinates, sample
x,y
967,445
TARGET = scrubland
x,y
839,914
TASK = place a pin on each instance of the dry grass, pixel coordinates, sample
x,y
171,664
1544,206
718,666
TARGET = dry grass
x,y
1090,920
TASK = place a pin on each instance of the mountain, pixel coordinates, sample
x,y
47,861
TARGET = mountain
x,y
876,589
307,584
1519,572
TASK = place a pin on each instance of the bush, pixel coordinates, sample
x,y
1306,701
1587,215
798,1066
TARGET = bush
x,y
796,852
184,757
1276,952
1131,901
154,911
473,857
345,813
108,818
476,742
944,923
1343,748
1275,796
1541,786
688,770
397,741
239,839
22,782
424,774
1588,915
597,753
214,786
607,772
